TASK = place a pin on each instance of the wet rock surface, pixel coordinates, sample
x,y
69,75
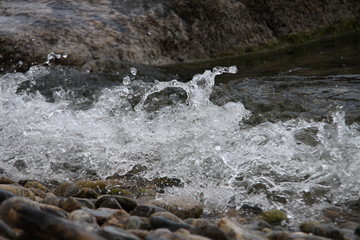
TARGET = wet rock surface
x,y
66,218
102,34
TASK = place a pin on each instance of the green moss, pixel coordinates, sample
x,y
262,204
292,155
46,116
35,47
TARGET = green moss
x,y
274,216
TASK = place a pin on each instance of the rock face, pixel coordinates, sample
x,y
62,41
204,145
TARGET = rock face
x,y
91,35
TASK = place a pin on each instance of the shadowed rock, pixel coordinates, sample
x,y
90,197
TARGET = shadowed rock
x,y
97,35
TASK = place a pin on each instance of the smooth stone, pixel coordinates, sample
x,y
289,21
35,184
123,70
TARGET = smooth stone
x,y
51,199
38,193
42,225
135,222
18,190
84,202
56,211
67,189
146,210
70,204
198,222
37,185
5,195
142,234
101,214
6,231
113,233
210,231
294,236
307,227
84,219
159,234
328,231
182,206
235,231
7,180
126,203
168,215
161,222
109,203
185,234
7,205
87,193
118,219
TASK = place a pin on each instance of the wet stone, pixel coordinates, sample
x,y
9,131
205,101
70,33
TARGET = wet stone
x,y
118,219
38,192
100,186
161,222
126,203
210,231
234,231
87,193
67,190
328,231
168,216
18,190
142,234
5,195
101,214
84,202
110,203
307,227
84,220
113,233
182,206
198,222
6,230
146,210
135,222
51,199
7,180
69,204
36,185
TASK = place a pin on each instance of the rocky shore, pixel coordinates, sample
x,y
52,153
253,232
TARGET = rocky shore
x,y
126,209
100,35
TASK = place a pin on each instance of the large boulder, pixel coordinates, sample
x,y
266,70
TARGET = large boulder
x,y
93,34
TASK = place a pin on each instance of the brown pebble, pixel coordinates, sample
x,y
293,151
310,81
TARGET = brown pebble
x,y
70,204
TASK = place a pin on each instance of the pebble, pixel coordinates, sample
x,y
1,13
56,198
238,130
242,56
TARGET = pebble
x,y
118,219
328,231
161,222
84,202
126,203
234,231
18,190
67,189
109,203
5,195
210,231
113,233
101,214
135,222
182,206
87,193
169,216
146,210
6,230
36,185
84,219
69,204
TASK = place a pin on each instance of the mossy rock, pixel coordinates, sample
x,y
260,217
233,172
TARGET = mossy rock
x,y
101,186
36,185
274,216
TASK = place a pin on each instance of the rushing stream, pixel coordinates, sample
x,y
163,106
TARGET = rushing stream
x,y
288,138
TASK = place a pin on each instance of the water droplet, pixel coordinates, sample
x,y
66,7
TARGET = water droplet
x,y
133,71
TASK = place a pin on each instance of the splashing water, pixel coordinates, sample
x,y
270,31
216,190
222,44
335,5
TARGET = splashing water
x,y
297,165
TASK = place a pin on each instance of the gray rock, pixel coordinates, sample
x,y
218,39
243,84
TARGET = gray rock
x,y
328,231
5,195
146,210
113,233
152,32
161,222
182,206
84,220
135,222
126,203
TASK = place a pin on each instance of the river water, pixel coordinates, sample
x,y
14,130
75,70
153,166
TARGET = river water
x,y
277,129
